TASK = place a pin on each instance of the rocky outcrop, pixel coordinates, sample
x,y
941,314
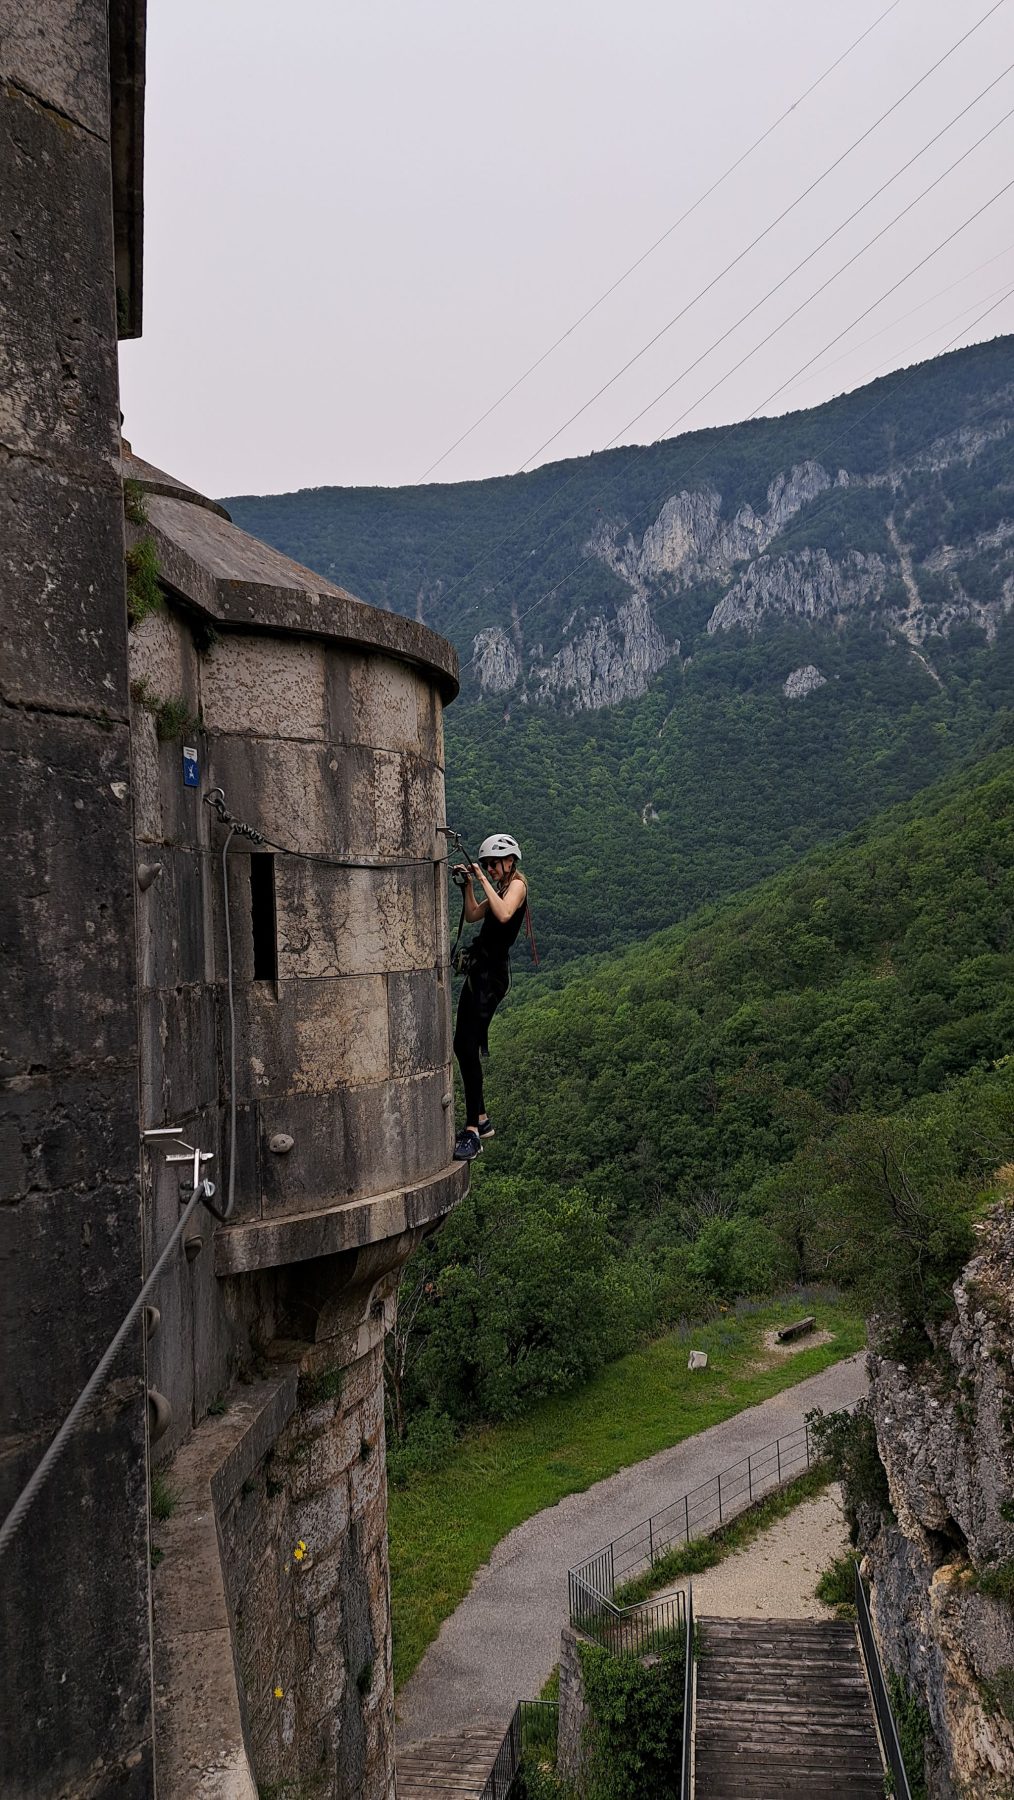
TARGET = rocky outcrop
x,y
690,541
943,1568
802,682
808,585
496,661
611,660
599,659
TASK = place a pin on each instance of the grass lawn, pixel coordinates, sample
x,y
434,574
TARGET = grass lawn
x,y
444,1526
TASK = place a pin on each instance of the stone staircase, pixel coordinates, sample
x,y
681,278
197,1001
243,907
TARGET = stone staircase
x,y
783,1709
453,1767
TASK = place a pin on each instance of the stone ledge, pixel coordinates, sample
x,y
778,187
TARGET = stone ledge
x,y
199,1724
268,1243
240,582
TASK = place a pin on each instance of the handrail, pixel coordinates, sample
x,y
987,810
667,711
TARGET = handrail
x,y
594,1581
639,1630
689,1658
878,1688
201,1193
532,1722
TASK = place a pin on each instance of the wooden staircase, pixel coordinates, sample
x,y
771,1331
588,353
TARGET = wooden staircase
x,y
449,1768
783,1709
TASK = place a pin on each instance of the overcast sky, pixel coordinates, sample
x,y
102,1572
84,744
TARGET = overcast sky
x,y
365,218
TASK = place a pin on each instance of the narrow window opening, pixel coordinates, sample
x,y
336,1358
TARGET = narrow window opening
x,y
262,913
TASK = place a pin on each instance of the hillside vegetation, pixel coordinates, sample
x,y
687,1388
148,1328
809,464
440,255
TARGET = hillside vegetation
x,y
814,1081
461,555
634,617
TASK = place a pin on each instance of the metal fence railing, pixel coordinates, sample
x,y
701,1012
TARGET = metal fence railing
x,y
878,1688
627,1630
690,1652
693,1515
530,1737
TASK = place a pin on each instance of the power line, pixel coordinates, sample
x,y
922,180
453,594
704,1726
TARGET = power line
x,y
901,355
652,341
883,402
541,507
910,314
824,284
603,297
949,239
701,460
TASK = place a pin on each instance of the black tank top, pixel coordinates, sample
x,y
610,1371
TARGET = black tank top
x,y
495,940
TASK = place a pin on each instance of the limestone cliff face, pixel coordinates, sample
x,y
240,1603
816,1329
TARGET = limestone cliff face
x,y
598,658
946,1438
803,681
809,585
610,661
496,661
606,659
690,541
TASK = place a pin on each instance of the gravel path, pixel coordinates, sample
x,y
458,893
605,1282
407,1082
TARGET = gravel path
x,y
500,1644
774,1577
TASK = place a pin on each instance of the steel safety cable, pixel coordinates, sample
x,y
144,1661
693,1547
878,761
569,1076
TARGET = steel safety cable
x,y
230,1191
643,258
552,499
613,441
57,1448
215,798
784,214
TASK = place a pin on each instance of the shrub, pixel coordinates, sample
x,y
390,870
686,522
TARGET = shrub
x,y
913,1724
144,592
997,1581
173,718
429,1440
135,509
637,1723
847,1441
164,1498
836,1587
997,1692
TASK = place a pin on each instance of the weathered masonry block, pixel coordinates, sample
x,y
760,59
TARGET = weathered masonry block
x,y
74,1639
320,720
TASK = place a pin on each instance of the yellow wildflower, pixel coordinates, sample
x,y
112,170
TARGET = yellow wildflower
x,y
279,1694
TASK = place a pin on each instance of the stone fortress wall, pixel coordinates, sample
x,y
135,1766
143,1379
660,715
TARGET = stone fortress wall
x,y
240,1638
75,1717
321,723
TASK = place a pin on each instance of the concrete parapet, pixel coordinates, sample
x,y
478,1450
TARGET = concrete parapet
x,y
201,1744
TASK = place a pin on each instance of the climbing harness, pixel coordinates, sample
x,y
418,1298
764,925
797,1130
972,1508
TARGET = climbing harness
x,y
500,845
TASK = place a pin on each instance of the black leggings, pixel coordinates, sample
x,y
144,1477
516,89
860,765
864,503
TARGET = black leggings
x,y
475,1010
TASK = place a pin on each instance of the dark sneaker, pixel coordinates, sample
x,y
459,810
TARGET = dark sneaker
x,y
486,1129
468,1146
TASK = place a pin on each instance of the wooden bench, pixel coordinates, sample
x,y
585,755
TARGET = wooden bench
x,y
786,1333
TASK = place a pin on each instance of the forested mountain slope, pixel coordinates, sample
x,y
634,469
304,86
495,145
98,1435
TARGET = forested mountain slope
x,y
814,1081
685,664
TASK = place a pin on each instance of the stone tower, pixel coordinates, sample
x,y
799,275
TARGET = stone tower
x,y
318,722
243,1637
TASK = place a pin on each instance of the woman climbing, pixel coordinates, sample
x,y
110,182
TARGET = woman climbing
x,y
487,971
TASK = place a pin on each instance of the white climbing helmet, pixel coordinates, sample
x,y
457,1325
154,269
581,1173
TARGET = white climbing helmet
x,y
501,844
